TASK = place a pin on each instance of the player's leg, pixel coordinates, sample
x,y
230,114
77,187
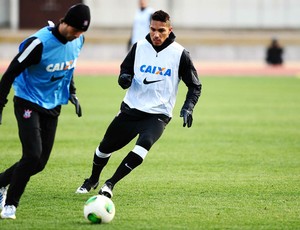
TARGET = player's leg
x,y
48,125
30,137
150,130
118,134
5,178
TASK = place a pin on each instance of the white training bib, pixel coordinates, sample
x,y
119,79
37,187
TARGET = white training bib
x,y
155,83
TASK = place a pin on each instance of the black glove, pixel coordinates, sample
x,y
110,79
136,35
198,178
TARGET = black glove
x,y
125,80
74,100
187,117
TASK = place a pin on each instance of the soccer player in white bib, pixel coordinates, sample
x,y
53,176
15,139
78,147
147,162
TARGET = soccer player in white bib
x,y
141,22
150,72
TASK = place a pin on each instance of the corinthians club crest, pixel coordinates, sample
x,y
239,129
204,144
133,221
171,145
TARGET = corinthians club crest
x,y
27,113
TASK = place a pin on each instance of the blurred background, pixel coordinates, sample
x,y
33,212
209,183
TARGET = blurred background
x,y
219,31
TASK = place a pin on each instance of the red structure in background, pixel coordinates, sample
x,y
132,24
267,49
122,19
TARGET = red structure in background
x,y
35,13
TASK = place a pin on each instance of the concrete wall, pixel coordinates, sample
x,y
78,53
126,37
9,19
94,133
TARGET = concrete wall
x,y
204,13
184,13
4,13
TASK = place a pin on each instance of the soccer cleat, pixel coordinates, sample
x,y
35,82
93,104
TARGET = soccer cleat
x,y
106,190
87,186
3,192
8,212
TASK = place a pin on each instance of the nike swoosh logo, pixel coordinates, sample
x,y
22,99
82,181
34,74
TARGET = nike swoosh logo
x,y
56,78
128,166
150,82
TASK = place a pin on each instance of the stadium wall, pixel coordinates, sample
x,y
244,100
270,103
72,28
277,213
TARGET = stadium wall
x,y
257,14
235,14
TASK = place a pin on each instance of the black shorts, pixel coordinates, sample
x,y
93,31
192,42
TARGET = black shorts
x,y
125,127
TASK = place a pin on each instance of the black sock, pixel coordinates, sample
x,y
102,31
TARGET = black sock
x,y
131,161
98,164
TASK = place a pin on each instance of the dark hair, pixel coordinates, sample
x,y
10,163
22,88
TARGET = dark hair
x,y
161,16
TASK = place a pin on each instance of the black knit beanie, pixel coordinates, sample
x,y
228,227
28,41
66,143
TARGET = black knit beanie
x,y
78,16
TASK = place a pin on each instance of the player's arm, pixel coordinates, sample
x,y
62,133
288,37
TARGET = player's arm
x,y
127,69
29,54
189,76
74,99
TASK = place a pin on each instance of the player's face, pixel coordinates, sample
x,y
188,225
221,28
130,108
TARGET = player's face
x,y
159,32
69,32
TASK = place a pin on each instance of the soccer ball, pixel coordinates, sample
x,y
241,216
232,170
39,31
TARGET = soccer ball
x,y
99,209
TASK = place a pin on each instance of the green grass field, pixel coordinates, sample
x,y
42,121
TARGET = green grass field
x,y
238,167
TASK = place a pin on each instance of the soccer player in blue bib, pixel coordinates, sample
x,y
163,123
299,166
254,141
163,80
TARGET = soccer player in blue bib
x,y
42,78
151,72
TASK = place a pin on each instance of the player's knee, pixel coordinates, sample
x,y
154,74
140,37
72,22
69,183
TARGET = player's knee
x,y
40,167
146,142
31,164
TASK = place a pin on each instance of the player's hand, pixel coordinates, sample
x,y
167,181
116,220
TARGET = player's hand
x,y
187,117
125,80
74,100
